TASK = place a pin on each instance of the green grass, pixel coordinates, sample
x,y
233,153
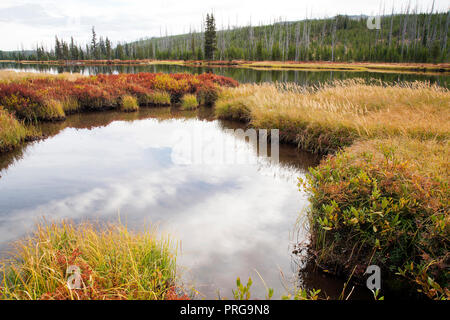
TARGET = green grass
x,y
13,132
129,104
159,98
189,102
70,105
114,263
51,110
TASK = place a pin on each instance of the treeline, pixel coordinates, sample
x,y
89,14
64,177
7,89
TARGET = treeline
x,y
406,37
402,38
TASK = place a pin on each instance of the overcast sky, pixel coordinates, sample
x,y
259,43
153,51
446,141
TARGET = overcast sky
x,y
26,23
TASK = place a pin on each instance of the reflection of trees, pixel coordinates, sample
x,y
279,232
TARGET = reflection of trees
x,y
8,158
243,75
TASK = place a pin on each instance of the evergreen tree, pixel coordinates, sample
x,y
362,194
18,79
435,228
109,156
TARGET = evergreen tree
x,y
94,45
108,47
210,37
58,49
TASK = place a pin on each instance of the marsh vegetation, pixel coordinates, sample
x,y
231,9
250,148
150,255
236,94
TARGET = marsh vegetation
x,y
113,263
381,196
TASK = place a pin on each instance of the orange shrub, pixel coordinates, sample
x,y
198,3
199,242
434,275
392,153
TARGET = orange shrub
x,y
40,99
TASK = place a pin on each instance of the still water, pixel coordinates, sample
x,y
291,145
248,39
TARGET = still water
x,y
237,218
243,75
234,219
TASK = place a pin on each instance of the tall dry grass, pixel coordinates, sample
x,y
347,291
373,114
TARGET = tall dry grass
x,y
10,76
350,109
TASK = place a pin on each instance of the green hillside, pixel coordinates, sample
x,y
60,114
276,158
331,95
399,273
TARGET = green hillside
x,y
401,38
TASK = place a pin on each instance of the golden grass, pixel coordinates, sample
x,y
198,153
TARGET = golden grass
x,y
9,76
189,102
351,107
12,131
70,105
351,66
426,157
159,98
114,263
129,104
52,110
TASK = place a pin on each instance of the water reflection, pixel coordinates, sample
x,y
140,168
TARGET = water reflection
x,y
243,75
231,219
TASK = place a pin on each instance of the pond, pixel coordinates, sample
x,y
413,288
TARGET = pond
x,y
243,75
231,219
234,218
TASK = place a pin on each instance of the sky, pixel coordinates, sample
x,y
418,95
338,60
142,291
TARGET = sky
x,y
24,24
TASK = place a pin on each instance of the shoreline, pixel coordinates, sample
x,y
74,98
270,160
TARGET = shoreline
x,y
378,182
418,68
380,194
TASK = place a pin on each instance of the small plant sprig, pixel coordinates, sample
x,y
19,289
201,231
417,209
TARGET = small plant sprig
x,y
242,292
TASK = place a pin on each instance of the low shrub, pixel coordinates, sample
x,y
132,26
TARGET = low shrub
x,y
27,103
27,96
93,97
208,94
176,88
384,202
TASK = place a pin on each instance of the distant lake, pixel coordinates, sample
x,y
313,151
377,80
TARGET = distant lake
x,y
243,75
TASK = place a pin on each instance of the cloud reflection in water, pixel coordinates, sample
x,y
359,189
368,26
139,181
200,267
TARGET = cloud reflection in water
x,y
231,219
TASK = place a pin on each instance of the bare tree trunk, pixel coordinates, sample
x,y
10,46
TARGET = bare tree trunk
x,y
405,24
444,42
297,36
333,39
429,33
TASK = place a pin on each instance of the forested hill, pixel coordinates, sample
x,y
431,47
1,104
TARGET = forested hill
x,y
402,38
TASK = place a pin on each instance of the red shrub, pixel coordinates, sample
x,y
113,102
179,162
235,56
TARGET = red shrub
x,y
27,98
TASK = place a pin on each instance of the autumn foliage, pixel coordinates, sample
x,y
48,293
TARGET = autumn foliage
x,y
53,98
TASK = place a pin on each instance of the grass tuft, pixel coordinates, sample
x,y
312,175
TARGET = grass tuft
x,y
114,263
159,98
129,104
189,102
51,110
12,131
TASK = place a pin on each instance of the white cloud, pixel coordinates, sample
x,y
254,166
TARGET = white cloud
x,y
29,22
230,219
